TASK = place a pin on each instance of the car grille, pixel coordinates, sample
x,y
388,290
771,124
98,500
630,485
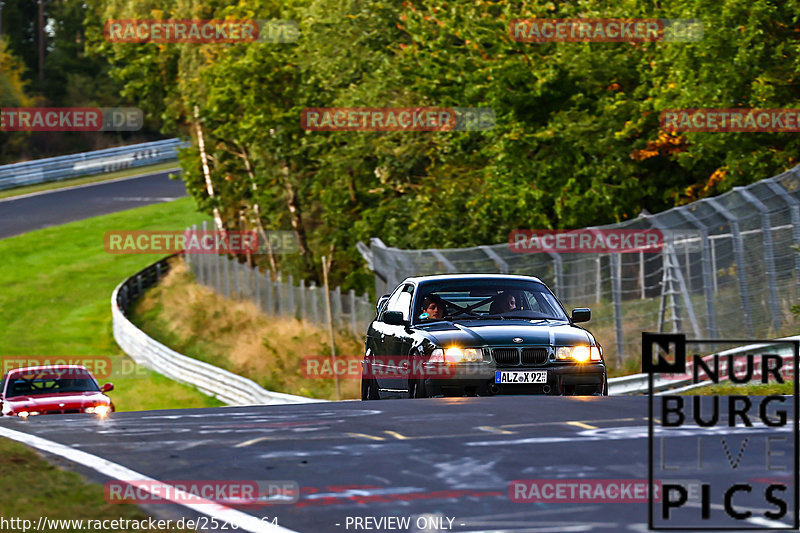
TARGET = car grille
x,y
517,356
506,356
534,356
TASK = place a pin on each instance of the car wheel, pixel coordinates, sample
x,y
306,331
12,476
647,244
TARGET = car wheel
x,y
369,389
605,386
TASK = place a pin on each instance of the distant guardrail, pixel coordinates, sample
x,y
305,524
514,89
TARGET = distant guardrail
x,y
89,163
638,383
228,387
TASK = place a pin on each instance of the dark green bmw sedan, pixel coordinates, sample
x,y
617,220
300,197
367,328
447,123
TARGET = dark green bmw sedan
x,y
478,335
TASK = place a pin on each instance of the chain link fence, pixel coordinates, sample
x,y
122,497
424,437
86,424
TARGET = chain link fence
x,y
234,279
727,269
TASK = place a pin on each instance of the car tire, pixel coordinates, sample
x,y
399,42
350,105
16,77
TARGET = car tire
x,y
605,386
369,389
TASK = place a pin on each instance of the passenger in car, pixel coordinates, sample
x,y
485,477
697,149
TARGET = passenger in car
x,y
503,304
434,308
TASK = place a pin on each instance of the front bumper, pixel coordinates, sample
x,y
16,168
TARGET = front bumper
x,y
479,380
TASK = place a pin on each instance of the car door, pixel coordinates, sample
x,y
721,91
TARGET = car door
x,y
392,365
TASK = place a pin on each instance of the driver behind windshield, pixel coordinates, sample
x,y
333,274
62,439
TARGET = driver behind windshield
x,y
433,307
508,303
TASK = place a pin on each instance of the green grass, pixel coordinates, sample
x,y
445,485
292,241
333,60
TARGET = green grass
x,y
28,189
56,298
754,389
34,488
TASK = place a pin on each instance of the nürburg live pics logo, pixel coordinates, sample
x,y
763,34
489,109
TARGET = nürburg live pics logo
x,y
721,463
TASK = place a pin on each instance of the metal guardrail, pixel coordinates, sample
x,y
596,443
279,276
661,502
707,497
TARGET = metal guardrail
x,y
88,163
228,387
638,384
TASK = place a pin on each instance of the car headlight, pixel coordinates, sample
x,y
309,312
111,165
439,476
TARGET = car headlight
x,y
100,410
23,414
581,354
454,354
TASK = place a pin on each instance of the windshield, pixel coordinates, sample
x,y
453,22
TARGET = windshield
x,y
484,299
37,384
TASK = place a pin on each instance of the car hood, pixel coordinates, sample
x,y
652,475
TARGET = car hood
x,y
52,402
502,333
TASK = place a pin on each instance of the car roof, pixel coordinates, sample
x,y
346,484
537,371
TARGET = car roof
x,y
445,277
28,369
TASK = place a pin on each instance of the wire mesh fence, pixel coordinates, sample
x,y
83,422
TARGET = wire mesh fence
x,y
234,279
727,269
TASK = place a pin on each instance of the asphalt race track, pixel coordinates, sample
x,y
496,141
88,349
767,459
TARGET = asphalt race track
x,y
52,208
451,458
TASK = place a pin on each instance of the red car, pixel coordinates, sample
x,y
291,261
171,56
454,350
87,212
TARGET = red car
x,y
50,390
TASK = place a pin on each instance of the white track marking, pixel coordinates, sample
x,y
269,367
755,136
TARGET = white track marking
x,y
243,521
115,180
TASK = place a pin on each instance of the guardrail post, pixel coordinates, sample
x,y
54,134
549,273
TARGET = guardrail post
x,y
708,266
558,273
234,270
741,265
257,285
337,303
187,256
244,281
599,282
616,294
290,290
769,255
302,289
215,262
268,306
227,275
312,293
242,276
204,263
641,274
279,303
353,312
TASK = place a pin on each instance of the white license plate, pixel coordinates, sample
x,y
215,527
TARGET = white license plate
x,y
534,377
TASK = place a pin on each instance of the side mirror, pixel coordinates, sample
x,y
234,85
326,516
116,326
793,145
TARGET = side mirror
x,y
581,314
107,387
381,301
394,318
